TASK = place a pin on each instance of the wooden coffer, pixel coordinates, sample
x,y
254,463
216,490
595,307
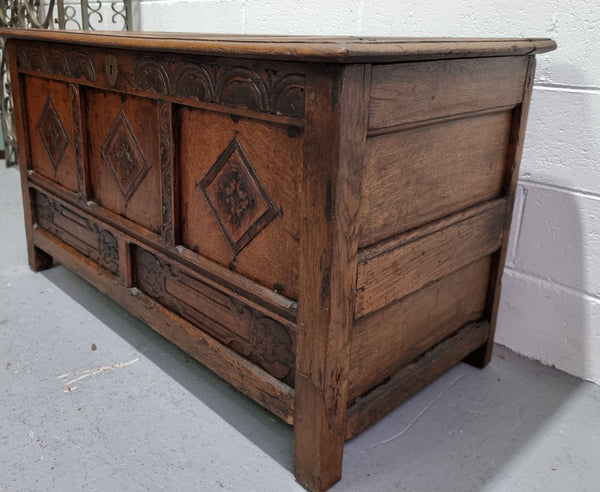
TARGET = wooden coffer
x,y
321,221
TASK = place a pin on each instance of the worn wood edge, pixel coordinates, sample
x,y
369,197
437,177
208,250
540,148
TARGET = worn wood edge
x,y
275,396
332,174
482,356
191,102
231,283
40,182
37,259
340,50
389,245
377,288
384,130
258,295
374,405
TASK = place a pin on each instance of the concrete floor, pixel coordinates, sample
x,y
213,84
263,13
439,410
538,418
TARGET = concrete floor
x,y
141,415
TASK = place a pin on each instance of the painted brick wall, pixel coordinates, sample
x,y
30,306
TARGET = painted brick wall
x,y
550,307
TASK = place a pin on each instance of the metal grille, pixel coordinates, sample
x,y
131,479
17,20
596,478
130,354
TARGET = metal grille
x,y
56,14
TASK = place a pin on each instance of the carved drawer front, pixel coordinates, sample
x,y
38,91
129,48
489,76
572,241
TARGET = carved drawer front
x,y
257,337
84,235
51,131
239,194
123,135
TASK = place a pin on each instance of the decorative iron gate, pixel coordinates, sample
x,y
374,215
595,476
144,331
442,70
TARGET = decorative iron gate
x,y
55,14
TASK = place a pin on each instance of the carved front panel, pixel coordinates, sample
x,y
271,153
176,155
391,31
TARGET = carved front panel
x,y
123,133
79,232
266,87
259,338
51,131
240,194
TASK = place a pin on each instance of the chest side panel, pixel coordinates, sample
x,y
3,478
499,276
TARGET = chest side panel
x,y
435,199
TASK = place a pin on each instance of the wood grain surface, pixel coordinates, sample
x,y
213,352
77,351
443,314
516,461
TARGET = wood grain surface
x,y
368,410
260,239
124,157
392,337
415,176
333,149
427,254
50,120
305,48
412,92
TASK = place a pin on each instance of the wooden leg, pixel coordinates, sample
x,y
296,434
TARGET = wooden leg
x,y
331,186
481,356
39,260
319,435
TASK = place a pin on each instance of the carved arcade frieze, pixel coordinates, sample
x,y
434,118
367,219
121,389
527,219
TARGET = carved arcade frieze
x,y
56,60
277,90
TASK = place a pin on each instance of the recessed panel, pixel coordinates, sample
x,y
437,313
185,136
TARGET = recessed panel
x,y
123,132
245,330
86,236
239,195
51,130
390,338
419,175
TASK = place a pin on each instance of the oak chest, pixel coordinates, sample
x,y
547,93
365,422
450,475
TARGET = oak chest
x,y
321,221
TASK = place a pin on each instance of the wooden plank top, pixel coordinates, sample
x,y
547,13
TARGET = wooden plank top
x,y
299,48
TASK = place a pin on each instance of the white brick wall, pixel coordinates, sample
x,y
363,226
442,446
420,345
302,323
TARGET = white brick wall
x,y
192,16
550,307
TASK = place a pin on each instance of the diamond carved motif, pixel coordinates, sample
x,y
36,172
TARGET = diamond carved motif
x,y
237,198
121,152
52,132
